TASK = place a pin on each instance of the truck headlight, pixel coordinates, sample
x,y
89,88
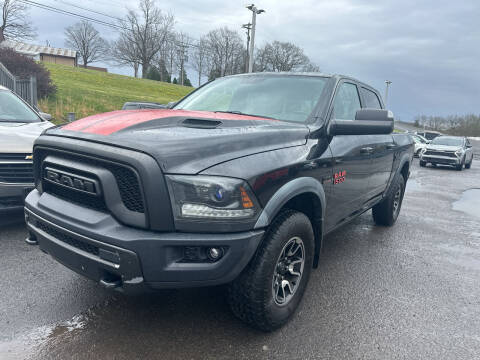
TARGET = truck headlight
x,y
211,197
459,152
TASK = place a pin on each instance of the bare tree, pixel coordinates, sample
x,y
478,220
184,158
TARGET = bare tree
x,y
84,38
225,53
122,52
14,22
281,56
146,32
200,58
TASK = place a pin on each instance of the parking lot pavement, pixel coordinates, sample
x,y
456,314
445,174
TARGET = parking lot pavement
x,y
407,292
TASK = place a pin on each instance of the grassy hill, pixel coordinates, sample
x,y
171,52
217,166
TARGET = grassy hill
x,y
87,92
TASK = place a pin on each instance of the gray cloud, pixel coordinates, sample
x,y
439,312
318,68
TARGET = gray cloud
x,y
429,49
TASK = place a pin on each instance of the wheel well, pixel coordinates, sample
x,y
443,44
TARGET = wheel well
x,y
309,204
405,170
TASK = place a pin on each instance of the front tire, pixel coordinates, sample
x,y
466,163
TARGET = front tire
x,y
423,163
469,165
386,212
269,290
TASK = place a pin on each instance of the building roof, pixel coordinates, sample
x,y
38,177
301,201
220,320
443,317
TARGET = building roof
x,y
29,49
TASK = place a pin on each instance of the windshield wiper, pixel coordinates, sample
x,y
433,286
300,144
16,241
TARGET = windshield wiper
x,y
242,113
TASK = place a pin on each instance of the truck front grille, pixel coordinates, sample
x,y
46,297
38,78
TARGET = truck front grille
x,y
440,153
16,169
126,178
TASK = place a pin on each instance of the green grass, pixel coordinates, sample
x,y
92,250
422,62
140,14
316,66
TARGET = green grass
x,y
87,92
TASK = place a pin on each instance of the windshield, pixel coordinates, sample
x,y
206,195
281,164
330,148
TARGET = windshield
x,y
290,98
448,141
12,109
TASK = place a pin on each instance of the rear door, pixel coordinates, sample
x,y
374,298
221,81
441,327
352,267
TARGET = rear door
x,y
383,149
351,157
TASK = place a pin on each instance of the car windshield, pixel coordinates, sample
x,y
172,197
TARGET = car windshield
x,y
290,98
448,141
12,109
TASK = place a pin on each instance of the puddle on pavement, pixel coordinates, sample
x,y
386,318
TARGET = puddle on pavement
x,y
23,346
469,203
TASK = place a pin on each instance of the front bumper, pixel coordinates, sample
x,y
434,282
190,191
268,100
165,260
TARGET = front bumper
x,y
94,244
436,159
12,196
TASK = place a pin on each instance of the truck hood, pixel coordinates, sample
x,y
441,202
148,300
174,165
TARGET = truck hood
x,y
186,142
19,137
443,147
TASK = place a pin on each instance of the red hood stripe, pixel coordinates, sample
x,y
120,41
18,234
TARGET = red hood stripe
x,y
111,122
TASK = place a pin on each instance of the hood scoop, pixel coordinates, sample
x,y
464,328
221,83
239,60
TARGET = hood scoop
x,y
201,123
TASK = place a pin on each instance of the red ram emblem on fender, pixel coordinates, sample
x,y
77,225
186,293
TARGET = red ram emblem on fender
x,y
339,177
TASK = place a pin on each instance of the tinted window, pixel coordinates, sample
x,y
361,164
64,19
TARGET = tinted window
x,y
346,102
371,99
12,109
290,98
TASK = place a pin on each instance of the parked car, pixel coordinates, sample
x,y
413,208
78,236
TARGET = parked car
x,y
20,125
420,144
448,150
429,135
237,184
142,105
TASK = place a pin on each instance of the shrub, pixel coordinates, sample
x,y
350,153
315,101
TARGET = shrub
x,y
24,67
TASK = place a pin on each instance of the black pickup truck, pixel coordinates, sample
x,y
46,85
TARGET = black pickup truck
x,y
237,184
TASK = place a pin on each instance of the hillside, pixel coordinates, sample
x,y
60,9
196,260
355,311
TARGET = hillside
x,y
86,92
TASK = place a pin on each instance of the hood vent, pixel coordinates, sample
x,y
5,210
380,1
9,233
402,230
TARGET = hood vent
x,y
201,123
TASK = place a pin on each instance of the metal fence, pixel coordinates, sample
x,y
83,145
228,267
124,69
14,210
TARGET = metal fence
x,y
25,88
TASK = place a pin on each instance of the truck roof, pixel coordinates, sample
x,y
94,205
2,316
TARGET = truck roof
x,y
312,74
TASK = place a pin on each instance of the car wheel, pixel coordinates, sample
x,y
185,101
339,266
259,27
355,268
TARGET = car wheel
x,y
469,165
459,167
386,212
423,163
269,290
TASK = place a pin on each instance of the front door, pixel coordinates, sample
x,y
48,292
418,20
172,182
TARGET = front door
x,y
352,160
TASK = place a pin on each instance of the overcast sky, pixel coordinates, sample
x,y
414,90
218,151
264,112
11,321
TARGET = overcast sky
x,y
429,49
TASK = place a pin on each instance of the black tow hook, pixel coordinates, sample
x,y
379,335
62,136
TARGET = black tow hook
x,y
31,239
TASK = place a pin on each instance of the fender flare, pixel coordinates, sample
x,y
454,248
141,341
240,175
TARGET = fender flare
x,y
287,192
404,159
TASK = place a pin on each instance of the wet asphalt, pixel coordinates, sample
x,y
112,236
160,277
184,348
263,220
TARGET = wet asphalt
x,y
407,292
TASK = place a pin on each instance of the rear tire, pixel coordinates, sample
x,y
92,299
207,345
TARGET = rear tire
x,y
270,288
386,212
423,163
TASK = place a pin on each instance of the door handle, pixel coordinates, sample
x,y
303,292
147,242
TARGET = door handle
x,y
366,150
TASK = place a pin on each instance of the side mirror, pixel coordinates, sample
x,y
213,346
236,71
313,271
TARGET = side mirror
x,y
469,146
367,122
45,116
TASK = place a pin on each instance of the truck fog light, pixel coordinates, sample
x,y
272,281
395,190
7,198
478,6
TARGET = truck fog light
x,y
214,253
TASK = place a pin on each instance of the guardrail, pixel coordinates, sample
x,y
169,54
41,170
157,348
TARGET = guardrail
x,y
25,88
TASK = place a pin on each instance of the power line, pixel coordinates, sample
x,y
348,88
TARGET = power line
x,y
97,21
87,9
69,13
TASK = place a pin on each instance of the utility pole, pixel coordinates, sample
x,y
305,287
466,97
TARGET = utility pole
x,y
254,11
248,27
387,83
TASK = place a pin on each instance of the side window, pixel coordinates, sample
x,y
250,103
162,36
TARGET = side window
x,y
347,102
371,99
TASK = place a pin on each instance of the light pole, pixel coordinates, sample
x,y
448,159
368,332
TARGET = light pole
x,y
248,27
254,11
387,83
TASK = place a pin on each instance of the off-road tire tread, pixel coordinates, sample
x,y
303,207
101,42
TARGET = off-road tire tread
x,y
245,294
383,212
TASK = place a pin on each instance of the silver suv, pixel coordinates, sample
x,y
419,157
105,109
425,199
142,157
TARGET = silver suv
x,y
20,125
448,150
